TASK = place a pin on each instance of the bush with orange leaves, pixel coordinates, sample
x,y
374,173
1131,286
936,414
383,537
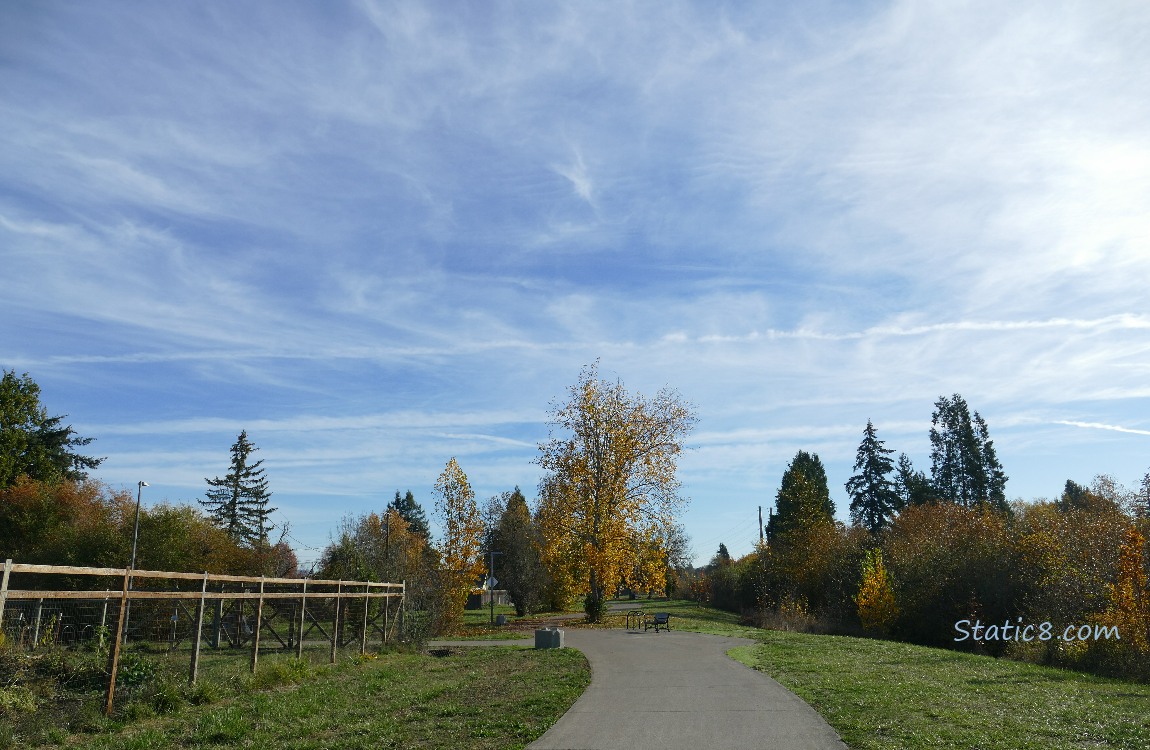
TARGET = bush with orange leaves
x,y
1127,610
84,523
1065,557
951,563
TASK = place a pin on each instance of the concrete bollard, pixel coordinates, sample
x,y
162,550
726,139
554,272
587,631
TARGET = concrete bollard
x,y
549,638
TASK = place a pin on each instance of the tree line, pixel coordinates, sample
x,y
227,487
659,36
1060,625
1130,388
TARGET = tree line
x,y
926,551
923,551
604,521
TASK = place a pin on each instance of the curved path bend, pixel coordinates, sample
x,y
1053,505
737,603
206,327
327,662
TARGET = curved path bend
x,y
676,691
680,691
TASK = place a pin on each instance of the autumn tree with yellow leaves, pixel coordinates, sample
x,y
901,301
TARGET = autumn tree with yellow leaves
x,y
1127,611
610,479
462,538
875,599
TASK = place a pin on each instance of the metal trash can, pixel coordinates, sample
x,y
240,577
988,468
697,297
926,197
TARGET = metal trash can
x,y
500,619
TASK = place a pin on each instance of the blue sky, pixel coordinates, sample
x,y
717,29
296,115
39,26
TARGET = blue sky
x,y
379,235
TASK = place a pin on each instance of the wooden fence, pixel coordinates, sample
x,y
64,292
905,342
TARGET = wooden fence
x,y
307,597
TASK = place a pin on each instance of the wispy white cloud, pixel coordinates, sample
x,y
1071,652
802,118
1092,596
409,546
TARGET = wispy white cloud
x,y
400,419
378,234
1099,426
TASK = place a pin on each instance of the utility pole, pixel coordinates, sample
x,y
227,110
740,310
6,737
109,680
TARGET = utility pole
x,y
760,525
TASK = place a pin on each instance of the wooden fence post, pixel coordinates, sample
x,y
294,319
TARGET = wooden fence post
x,y
302,620
114,667
363,635
36,626
402,609
259,621
386,613
4,590
240,618
335,621
198,633
218,625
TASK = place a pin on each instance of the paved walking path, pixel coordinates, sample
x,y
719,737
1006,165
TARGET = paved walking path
x,y
677,691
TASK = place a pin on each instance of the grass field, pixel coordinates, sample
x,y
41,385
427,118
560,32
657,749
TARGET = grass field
x,y
895,696
478,698
876,694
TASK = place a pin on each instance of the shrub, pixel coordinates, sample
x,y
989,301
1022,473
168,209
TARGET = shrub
x,y
876,606
16,699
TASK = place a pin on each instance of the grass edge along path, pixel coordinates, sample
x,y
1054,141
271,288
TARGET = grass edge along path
x,y
894,696
474,698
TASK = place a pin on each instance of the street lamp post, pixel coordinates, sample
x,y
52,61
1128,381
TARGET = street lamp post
x,y
135,538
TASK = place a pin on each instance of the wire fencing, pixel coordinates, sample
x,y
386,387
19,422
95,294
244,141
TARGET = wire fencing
x,y
110,607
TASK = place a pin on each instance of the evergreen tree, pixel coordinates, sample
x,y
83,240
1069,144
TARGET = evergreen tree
x,y
32,444
1074,496
964,467
912,487
411,512
238,503
873,497
519,568
803,498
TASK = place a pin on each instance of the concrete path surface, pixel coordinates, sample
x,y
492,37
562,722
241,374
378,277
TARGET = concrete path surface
x,y
680,691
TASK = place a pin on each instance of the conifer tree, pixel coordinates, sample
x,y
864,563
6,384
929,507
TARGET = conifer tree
x,y
803,499
411,512
911,486
238,503
32,444
520,568
873,497
964,467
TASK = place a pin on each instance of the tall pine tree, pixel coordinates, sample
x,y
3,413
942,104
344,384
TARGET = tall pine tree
x,y
911,486
964,467
803,498
411,512
238,503
873,497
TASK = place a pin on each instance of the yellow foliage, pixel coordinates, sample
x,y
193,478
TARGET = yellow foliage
x,y
462,538
649,566
875,599
1129,595
610,481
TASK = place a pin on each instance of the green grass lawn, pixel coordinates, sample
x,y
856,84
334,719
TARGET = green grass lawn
x,y
893,696
686,616
478,698
477,624
876,694
881,694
